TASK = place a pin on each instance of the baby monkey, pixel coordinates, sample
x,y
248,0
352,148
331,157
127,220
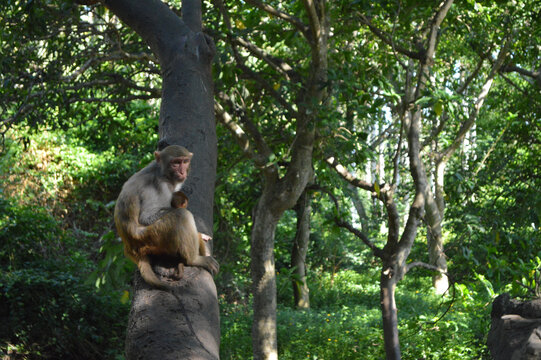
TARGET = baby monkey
x,y
152,219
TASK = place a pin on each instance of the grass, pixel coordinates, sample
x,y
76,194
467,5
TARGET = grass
x,y
345,322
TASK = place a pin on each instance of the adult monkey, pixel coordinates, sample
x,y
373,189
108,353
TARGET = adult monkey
x,y
149,225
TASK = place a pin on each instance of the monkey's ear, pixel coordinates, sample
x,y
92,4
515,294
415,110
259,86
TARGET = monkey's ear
x,y
157,156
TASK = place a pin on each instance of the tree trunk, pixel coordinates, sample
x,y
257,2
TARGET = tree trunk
x,y
278,196
183,323
298,253
434,207
264,342
389,313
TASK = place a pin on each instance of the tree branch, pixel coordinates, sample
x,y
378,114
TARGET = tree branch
x,y
472,76
466,126
238,135
423,265
388,40
427,59
343,224
349,177
278,65
513,68
315,25
245,69
375,250
296,22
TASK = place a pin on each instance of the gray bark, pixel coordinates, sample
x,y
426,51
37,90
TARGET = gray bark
x,y
278,196
389,315
434,208
183,323
301,293
435,204
264,338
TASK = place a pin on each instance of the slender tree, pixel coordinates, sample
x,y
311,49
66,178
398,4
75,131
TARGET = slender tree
x,y
301,293
282,182
400,239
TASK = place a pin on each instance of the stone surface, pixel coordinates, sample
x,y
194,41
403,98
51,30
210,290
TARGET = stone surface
x,y
515,332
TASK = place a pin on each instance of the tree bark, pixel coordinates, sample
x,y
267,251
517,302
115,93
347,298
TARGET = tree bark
x,y
298,253
435,204
264,337
434,207
389,313
280,192
183,323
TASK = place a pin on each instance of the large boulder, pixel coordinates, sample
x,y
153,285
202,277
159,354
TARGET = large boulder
x,y
515,332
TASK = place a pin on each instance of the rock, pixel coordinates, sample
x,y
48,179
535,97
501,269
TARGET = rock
x,y
515,332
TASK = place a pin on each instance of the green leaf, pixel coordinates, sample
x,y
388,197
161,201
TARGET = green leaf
x,y
438,108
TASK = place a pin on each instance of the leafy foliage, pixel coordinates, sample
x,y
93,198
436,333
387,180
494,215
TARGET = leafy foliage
x,y
47,309
343,322
72,134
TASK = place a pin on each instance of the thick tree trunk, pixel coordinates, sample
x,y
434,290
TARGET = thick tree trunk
x,y
298,253
183,323
264,341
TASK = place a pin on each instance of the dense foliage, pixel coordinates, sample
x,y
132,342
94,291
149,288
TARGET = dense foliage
x,y
79,107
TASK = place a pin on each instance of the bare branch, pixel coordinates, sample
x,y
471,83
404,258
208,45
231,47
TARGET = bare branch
x,y
121,100
389,131
515,85
277,64
492,147
434,29
396,159
427,59
262,148
315,25
349,177
472,76
513,68
435,132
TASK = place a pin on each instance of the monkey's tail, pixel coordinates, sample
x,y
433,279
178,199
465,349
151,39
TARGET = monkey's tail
x,y
149,276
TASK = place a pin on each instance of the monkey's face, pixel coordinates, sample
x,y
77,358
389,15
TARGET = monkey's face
x,y
179,168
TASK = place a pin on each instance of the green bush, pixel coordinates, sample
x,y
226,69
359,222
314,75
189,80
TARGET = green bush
x,y
47,309
52,314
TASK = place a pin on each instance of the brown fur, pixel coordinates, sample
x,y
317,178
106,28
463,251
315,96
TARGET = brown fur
x,y
152,219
